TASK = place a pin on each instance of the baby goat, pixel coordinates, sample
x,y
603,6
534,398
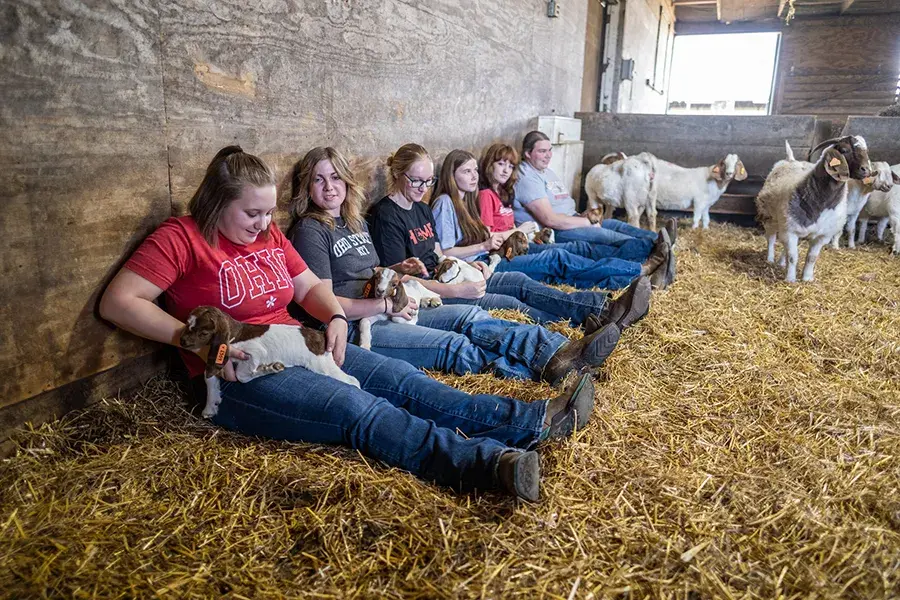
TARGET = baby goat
x,y
677,188
884,206
621,181
385,283
271,349
798,202
455,270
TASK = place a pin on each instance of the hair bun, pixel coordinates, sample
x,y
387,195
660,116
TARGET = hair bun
x,y
390,159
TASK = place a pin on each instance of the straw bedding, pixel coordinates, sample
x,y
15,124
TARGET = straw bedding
x,y
745,445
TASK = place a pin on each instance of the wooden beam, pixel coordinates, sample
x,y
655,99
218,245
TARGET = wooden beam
x,y
719,10
693,2
781,5
845,5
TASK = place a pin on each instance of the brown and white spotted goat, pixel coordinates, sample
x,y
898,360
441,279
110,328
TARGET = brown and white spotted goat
x,y
456,270
386,283
271,349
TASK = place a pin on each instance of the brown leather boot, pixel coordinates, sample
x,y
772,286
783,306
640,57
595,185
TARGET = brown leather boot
x,y
658,256
587,353
569,410
520,474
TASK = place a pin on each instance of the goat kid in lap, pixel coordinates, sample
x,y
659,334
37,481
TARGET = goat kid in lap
x,y
797,202
270,348
386,283
455,270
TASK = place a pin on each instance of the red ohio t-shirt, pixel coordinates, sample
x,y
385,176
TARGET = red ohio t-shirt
x,y
251,283
494,215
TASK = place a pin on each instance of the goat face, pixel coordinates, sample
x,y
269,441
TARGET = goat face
x,y
515,245
447,270
203,324
594,215
851,151
545,236
729,168
385,283
882,178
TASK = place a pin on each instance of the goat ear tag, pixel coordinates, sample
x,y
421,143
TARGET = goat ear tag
x,y
367,289
834,162
868,180
221,353
509,253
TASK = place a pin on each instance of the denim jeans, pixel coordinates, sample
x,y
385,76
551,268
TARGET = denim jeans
x,y
541,302
464,339
635,250
556,266
610,232
400,416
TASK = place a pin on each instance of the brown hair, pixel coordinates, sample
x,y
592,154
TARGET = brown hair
x,y
495,153
226,176
302,205
532,138
465,205
399,163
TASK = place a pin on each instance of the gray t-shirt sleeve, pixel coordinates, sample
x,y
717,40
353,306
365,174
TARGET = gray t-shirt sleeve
x,y
313,244
530,187
448,230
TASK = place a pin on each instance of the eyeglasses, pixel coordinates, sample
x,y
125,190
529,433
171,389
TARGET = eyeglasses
x,y
420,184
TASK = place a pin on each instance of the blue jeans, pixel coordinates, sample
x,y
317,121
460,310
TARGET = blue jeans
x,y
556,265
467,339
400,416
612,233
541,302
634,250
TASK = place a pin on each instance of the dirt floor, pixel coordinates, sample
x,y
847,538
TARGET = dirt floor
x,y
745,444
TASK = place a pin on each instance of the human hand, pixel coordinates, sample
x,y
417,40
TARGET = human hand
x,y
485,269
471,290
528,227
336,340
493,242
411,266
407,312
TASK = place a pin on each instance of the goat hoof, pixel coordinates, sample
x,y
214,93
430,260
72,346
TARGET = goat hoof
x,y
278,367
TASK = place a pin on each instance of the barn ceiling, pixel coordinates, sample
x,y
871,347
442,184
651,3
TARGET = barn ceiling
x,y
731,11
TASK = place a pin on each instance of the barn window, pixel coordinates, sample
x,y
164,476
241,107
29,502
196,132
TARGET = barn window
x,y
727,74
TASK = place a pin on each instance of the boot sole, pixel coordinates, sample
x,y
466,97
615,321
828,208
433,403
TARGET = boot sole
x,y
601,346
642,296
580,406
527,476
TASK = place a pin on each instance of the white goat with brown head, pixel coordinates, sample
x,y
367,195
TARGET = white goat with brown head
x,y
386,283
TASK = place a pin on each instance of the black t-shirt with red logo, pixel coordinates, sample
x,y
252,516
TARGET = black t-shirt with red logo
x,y
399,233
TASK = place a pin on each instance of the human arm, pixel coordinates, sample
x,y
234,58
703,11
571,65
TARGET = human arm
x,y
543,213
494,241
471,290
129,303
319,301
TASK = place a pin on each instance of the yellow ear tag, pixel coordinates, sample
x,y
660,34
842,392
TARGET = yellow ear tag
x,y
741,171
834,162
868,180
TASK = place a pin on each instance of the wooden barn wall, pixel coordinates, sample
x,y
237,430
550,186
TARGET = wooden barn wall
x,y
835,67
110,111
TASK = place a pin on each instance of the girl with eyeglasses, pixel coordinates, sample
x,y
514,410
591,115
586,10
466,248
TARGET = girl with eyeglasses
x,y
333,239
462,234
403,226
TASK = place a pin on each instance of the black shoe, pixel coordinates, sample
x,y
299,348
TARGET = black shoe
x,y
587,353
520,474
572,409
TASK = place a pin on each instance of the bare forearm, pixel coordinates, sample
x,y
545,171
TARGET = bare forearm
x,y
321,303
444,290
465,251
360,308
142,318
564,222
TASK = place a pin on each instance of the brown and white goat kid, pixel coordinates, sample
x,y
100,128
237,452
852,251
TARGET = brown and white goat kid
x,y
456,270
386,283
797,202
271,349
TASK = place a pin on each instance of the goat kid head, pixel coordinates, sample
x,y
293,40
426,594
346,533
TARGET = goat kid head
x,y
447,270
515,245
594,215
846,158
545,236
205,325
882,178
729,168
385,283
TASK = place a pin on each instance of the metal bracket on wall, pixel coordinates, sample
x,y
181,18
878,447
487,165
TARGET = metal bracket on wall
x,y
552,9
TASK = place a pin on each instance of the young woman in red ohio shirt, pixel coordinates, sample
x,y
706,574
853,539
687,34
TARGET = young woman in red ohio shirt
x,y
227,253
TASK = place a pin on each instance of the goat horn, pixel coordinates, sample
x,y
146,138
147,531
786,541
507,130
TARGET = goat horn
x,y
820,146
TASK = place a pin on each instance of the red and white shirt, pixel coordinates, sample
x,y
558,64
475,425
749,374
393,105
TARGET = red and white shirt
x,y
251,283
496,217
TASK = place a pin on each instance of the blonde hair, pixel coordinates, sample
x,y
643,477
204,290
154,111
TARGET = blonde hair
x,y
226,176
465,204
399,163
302,205
496,153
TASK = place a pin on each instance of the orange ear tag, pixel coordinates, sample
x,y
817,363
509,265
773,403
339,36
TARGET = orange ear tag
x,y
868,180
834,162
221,354
367,289
509,255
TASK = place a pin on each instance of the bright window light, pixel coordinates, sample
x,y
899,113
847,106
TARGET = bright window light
x,y
726,74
